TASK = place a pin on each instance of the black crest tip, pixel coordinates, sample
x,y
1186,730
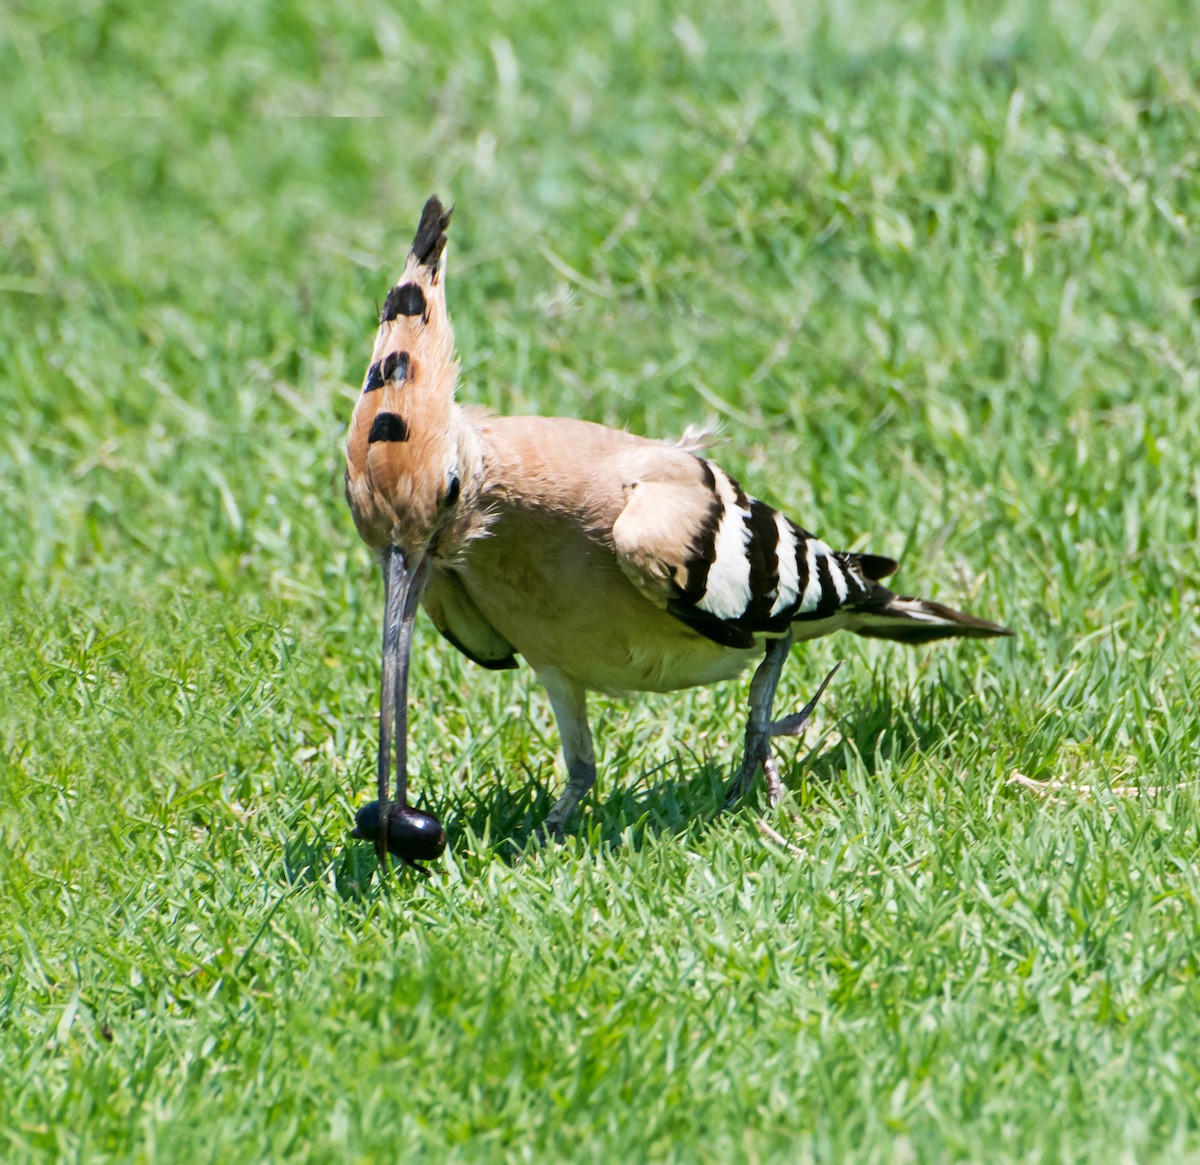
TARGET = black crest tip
x,y
430,239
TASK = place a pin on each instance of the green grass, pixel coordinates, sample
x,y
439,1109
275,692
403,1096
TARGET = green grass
x,y
939,274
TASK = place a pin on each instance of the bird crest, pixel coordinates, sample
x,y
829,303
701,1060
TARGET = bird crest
x,y
400,455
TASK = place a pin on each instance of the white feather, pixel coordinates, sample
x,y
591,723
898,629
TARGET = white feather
x,y
789,577
917,611
812,592
839,579
727,593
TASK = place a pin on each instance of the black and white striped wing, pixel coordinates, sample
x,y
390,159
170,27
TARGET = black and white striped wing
x,y
730,566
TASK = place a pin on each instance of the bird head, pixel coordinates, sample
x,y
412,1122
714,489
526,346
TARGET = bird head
x,y
404,452
408,454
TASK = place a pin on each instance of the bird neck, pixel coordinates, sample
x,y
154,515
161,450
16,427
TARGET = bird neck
x,y
466,519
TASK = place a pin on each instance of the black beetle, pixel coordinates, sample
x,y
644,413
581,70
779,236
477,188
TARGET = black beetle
x,y
413,835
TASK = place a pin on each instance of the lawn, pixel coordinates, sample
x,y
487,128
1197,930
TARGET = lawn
x,y
938,274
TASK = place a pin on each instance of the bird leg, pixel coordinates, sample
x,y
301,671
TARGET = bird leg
x,y
760,728
569,701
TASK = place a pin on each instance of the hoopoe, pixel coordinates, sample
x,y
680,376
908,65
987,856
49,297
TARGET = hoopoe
x,y
609,561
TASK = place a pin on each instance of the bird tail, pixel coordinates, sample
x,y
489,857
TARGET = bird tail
x,y
885,615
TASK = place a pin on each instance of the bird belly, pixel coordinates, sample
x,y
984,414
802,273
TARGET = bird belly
x,y
557,594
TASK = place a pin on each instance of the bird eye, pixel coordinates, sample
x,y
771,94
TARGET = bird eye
x,y
452,491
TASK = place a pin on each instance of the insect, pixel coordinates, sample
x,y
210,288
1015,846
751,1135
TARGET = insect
x,y
609,561
413,835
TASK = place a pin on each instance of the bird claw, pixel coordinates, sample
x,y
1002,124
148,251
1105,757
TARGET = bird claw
x,y
545,834
541,838
793,724
797,722
758,749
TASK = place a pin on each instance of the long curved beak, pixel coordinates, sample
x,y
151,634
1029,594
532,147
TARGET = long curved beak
x,y
404,580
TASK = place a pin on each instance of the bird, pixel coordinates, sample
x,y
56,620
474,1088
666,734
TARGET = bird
x,y
608,561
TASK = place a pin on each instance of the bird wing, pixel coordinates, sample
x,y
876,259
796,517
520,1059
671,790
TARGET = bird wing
x,y
726,564
454,613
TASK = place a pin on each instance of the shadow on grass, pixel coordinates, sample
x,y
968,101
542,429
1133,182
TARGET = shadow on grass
x,y
654,803
689,790
875,734
679,796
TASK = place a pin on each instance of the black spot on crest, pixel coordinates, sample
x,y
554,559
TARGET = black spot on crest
x,y
374,378
395,367
387,427
405,300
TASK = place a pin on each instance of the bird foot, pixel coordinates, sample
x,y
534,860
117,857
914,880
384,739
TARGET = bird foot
x,y
547,833
758,749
